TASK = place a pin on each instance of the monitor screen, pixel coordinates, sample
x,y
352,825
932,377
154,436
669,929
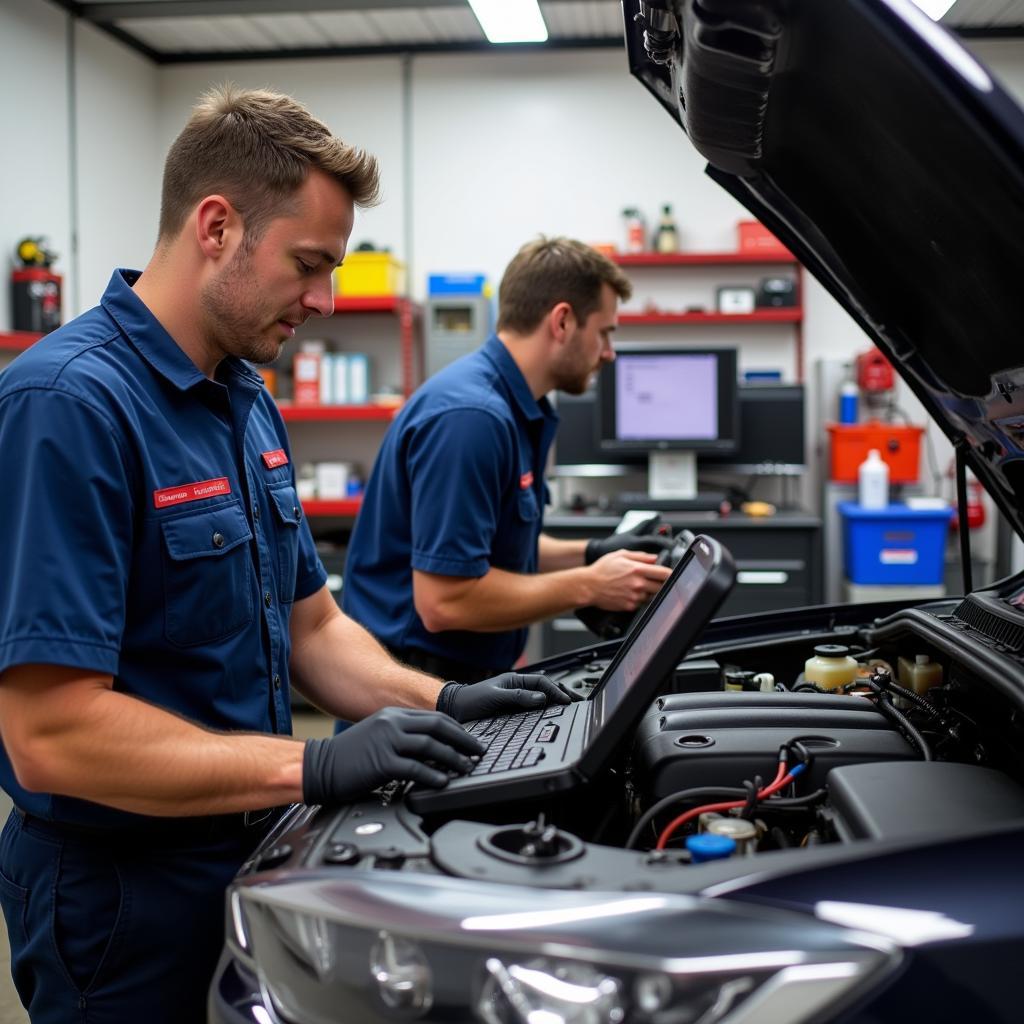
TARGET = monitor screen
x,y
653,399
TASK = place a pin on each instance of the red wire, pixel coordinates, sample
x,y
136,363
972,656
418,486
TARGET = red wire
x,y
780,782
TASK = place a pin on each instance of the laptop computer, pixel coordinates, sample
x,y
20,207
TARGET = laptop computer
x,y
559,747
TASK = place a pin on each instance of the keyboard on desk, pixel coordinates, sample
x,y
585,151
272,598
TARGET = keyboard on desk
x,y
514,741
706,501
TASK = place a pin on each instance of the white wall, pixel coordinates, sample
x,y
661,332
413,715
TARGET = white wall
x,y
119,160
35,181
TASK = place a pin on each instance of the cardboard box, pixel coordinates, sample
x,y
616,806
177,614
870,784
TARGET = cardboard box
x,y
754,238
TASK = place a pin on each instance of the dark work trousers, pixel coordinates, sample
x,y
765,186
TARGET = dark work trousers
x,y
119,927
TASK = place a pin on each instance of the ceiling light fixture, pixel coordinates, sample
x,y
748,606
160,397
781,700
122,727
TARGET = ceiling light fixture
x,y
935,9
510,21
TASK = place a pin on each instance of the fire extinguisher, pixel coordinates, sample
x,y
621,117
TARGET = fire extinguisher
x,y
35,288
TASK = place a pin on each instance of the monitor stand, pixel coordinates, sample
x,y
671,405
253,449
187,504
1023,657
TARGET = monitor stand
x,y
671,486
672,474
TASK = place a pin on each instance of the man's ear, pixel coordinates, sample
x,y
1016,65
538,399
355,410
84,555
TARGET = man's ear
x,y
218,227
561,321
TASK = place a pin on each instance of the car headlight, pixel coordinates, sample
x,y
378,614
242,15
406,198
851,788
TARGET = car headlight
x,y
382,947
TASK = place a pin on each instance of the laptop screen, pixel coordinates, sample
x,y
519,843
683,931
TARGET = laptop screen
x,y
645,640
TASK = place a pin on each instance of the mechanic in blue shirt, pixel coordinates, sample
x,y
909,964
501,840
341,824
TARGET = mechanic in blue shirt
x,y
162,592
448,565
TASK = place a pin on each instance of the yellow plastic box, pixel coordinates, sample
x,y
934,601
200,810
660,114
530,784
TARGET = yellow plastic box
x,y
370,273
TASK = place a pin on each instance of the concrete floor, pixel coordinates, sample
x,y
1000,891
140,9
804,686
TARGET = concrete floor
x,y
307,724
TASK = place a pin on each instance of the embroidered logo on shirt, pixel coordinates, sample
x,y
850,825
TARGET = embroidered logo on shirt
x,y
275,458
526,480
191,492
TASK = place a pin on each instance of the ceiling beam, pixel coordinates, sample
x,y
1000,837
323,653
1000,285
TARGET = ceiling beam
x,y
390,50
115,11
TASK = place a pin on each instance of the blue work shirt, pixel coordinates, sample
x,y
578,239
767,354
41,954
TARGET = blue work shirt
x,y
457,489
150,525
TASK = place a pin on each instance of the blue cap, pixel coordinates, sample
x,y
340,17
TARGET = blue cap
x,y
708,846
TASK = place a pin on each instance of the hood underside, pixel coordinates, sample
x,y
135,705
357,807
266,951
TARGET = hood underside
x,y
892,164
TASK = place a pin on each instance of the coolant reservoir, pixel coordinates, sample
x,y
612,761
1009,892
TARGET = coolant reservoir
x,y
919,675
831,666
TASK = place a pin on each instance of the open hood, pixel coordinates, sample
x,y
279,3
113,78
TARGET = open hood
x,y
892,165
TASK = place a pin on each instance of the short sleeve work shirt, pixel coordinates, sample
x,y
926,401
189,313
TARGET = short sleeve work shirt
x,y
458,488
151,526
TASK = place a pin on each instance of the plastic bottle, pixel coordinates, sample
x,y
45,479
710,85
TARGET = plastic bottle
x,y
919,675
831,666
873,481
849,395
666,238
635,231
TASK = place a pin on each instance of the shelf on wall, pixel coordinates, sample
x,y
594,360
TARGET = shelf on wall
x,y
371,303
762,316
17,341
332,507
697,259
328,413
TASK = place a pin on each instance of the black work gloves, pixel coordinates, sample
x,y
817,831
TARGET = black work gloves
x,y
501,695
631,540
391,744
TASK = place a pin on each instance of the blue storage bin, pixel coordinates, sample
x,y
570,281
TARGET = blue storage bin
x,y
456,284
896,544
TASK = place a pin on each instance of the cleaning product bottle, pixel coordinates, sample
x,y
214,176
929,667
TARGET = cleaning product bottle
x,y
849,395
873,481
666,238
635,230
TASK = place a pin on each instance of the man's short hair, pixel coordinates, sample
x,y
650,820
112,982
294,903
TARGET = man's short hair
x,y
552,270
256,148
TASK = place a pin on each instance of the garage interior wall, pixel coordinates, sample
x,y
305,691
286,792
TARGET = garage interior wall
x,y
479,153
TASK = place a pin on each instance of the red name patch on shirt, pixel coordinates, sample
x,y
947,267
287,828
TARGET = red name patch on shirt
x,y
191,492
275,458
526,480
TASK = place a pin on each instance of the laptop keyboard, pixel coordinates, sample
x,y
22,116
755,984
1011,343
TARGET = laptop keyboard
x,y
508,739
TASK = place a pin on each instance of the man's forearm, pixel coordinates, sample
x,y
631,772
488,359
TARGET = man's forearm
x,y
553,554
501,600
78,737
344,671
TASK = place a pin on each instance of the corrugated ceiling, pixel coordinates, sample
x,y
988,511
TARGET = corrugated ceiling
x,y
183,30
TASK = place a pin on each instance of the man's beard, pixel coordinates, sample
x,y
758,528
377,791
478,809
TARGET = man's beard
x,y
572,374
235,320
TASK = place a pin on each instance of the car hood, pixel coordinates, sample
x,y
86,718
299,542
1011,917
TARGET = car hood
x,y
892,165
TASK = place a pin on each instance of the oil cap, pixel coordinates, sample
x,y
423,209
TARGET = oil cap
x,y
708,846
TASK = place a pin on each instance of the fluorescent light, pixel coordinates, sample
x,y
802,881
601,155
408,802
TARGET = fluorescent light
x,y
510,21
935,9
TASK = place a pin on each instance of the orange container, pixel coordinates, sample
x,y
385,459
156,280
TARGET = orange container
x,y
754,238
899,446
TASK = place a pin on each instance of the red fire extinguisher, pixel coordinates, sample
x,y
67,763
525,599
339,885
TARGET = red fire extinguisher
x,y
35,288
975,502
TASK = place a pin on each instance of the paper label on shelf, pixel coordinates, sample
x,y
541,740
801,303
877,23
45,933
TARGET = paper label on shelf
x,y
191,492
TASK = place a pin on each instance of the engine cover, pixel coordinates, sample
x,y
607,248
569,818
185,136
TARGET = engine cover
x,y
720,739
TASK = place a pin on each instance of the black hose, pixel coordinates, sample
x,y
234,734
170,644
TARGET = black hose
x,y
884,704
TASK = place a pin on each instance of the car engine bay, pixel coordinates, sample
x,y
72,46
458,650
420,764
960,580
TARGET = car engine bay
x,y
743,760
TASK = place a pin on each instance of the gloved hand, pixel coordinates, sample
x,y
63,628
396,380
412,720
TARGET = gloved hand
x,y
500,695
632,540
392,743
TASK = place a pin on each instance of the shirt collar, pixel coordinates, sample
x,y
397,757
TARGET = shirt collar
x,y
530,407
148,336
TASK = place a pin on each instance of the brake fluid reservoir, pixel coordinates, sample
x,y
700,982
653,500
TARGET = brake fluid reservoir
x,y
831,666
919,675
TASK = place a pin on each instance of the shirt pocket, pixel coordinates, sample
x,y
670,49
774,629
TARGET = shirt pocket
x,y
287,516
527,508
207,589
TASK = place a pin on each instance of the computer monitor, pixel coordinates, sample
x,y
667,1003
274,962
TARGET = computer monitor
x,y
669,403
